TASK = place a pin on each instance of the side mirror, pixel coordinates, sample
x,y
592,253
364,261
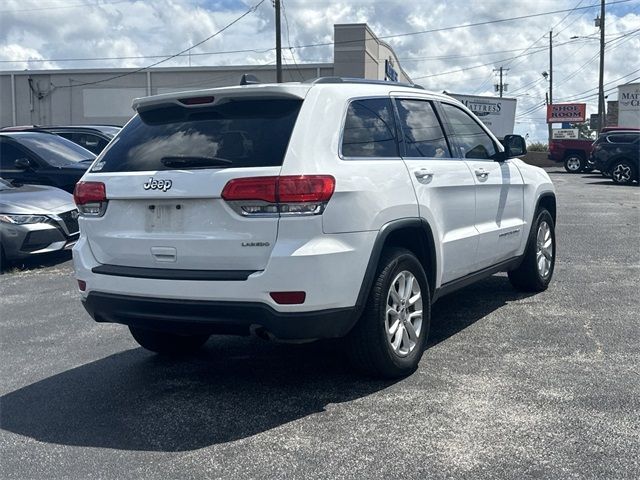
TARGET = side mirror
x,y
22,164
514,146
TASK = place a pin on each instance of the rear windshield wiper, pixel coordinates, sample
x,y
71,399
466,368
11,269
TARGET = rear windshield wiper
x,y
194,161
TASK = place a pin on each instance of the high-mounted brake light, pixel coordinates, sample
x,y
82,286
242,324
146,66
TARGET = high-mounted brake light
x,y
196,100
90,198
284,195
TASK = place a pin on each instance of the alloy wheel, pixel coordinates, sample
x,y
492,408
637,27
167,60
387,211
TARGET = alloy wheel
x,y
621,173
403,318
573,164
544,249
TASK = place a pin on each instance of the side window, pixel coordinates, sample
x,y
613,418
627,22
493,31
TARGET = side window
x,y
91,142
421,130
622,138
471,138
369,129
9,154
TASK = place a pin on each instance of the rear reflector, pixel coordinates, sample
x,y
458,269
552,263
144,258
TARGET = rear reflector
x,y
82,285
89,192
288,298
196,100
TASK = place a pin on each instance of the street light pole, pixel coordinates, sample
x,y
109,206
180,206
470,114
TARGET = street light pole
x,y
551,80
276,4
601,106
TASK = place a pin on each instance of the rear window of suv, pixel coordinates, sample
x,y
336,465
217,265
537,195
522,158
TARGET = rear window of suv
x,y
236,133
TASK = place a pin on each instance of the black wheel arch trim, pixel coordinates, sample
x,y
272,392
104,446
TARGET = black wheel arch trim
x,y
378,246
542,196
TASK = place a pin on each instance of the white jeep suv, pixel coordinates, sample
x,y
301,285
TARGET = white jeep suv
x,y
299,211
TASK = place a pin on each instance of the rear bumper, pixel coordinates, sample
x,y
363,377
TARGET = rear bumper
x,y
214,317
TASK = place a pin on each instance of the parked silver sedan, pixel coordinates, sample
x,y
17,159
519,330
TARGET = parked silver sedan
x,y
35,219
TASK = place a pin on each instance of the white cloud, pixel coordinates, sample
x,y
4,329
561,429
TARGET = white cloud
x,y
31,29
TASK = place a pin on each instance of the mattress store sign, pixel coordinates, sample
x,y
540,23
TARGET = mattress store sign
x,y
566,112
498,114
629,105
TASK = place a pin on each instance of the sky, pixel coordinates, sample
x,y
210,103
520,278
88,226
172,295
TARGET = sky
x,y
39,34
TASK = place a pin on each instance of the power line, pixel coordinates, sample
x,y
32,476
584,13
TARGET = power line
x,y
251,10
467,25
610,45
293,55
609,82
575,72
399,35
552,28
246,50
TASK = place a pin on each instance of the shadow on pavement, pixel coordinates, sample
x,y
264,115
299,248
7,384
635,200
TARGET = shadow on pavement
x,y
612,183
233,389
37,261
455,312
134,400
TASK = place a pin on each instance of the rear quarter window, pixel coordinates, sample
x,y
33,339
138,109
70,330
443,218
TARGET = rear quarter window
x,y
369,129
236,133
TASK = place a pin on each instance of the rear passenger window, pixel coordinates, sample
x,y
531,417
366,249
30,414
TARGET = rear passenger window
x,y
471,138
369,129
421,130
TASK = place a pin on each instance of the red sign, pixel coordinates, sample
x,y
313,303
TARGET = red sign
x,y
566,112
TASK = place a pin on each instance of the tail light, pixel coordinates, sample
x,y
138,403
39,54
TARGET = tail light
x,y
284,195
91,198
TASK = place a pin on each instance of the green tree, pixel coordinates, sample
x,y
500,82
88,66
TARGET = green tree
x,y
584,131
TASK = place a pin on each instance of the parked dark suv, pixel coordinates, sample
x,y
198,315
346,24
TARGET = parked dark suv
x,y
617,154
40,158
92,137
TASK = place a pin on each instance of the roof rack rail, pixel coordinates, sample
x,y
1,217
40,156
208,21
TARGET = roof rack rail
x,y
321,80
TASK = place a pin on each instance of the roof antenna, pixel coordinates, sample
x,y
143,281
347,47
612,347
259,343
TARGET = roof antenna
x,y
248,79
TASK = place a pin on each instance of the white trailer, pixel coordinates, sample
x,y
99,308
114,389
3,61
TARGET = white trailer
x,y
498,114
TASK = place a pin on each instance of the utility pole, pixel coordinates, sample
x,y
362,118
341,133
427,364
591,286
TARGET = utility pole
x,y
501,87
551,80
601,106
276,4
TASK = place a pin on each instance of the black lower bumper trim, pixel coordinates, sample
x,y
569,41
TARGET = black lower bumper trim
x,y
236,318
173,273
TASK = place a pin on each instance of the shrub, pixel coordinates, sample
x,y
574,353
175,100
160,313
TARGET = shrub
x,y
538,147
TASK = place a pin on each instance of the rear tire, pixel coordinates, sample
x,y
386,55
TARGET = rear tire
x,y
574,163
623,172
167,343
3,260
389,339
536,269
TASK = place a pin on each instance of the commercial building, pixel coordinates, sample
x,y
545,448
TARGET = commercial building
x,y
103,96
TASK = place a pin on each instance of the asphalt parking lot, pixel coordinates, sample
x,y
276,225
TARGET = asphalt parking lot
x,y
512,385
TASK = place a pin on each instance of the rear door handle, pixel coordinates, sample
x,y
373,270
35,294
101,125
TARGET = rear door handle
x,y
423,175
482,173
